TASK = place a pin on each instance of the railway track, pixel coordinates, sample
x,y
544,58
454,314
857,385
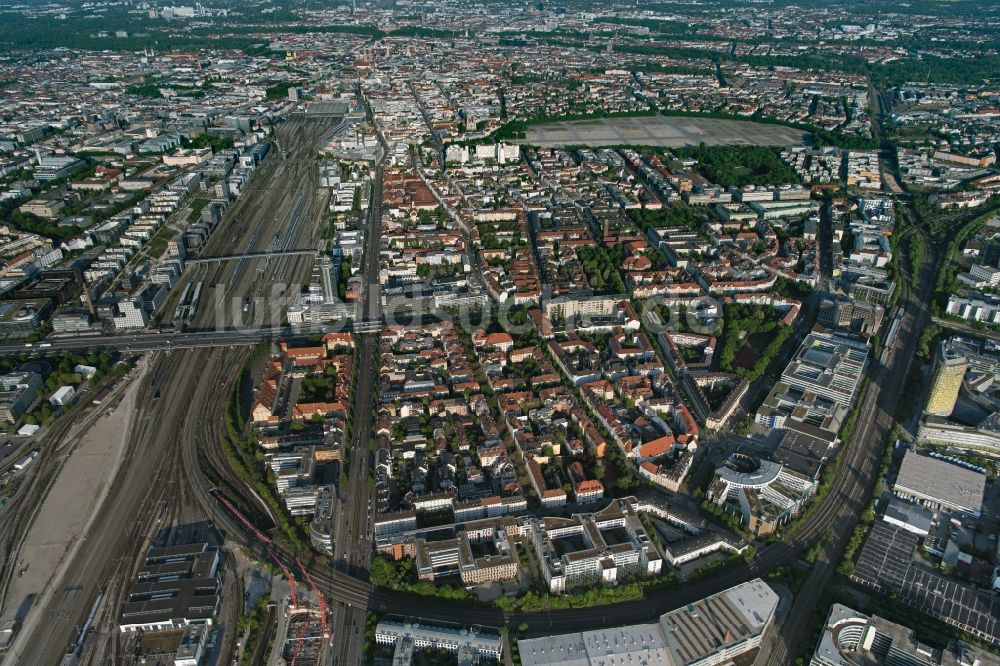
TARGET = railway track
x,y
107,646
168,507
278,210
200,447
161,486
874,424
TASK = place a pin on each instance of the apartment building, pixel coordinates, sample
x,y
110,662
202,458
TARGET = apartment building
x,y
975,307
571,307
604,547
407,636
395,522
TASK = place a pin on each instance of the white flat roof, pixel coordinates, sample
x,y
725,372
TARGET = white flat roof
x,y
941,482
640,644
755,600
648,644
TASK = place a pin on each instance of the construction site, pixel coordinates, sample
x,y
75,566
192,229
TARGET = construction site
x,y
302,632
299,638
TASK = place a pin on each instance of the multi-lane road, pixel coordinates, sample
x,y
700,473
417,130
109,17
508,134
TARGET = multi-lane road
x,y
352,537
146,342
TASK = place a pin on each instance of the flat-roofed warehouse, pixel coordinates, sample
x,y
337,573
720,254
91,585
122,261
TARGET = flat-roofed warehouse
x,y
176,586
939,484
714,630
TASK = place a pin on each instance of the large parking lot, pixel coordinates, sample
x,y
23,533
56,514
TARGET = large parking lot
x,y
888,563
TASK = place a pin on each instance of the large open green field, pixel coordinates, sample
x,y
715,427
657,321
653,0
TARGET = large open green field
x,y
664,131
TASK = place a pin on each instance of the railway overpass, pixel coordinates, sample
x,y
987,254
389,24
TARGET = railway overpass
x,y
144,342
251,255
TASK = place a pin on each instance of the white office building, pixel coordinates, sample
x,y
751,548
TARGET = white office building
x,y
828,365
715,630
452,639
63,396
130,315
850,637
975,307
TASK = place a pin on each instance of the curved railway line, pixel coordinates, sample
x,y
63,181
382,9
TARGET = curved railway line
x,y
847,497
177,456
873,425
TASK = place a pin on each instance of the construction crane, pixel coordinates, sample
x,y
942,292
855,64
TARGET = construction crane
x,y
319,597
300,638
322,613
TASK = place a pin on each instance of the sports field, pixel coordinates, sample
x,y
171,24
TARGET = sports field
x,y
665,131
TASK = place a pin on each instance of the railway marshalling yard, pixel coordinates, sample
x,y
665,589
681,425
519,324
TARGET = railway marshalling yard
x,y
174,414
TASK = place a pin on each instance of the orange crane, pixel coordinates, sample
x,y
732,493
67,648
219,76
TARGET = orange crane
x,y
319,597
284,568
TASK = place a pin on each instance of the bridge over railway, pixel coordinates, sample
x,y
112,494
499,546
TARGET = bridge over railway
x,y
252,255
195,339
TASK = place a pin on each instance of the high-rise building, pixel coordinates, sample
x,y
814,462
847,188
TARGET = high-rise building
x,y
946,380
